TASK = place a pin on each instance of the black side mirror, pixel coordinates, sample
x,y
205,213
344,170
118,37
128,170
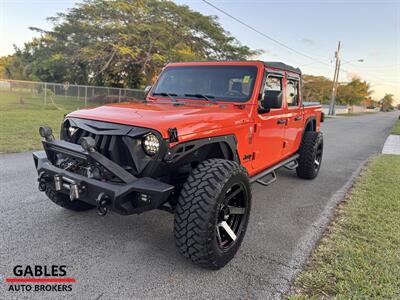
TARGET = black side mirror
x,y
272,99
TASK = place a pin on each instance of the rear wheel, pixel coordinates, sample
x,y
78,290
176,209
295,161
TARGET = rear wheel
x,y
64,201
212,213
311,151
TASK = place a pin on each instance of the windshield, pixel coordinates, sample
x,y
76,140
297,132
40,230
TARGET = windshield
x,y
219,83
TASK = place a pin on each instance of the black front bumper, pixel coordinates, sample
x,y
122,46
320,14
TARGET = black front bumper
x,y
132,196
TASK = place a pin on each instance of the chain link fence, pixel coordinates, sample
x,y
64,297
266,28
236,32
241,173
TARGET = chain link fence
x,y
66,96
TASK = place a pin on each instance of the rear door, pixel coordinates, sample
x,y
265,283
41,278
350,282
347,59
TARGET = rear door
x,y
270,127
293,113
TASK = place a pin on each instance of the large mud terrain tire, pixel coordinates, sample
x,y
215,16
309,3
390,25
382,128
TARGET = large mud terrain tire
x,y
212,213
311,151
64,201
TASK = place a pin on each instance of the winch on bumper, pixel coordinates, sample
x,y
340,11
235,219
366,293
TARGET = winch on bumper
x,y
131,195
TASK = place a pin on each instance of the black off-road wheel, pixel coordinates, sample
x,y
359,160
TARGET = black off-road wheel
x,y
64,201
212,213
311,151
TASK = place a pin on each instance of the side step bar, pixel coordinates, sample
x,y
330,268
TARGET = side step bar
x,y
290,163
271,181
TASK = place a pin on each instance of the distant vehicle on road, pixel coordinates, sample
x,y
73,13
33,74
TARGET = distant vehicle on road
x,y
204,133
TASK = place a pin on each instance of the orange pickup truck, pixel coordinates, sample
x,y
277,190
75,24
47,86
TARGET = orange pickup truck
x,y
204,133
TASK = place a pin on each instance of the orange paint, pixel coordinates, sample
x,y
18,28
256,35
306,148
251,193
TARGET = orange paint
x,y
259,135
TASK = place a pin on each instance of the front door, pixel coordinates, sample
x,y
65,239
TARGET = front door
x,y
270,128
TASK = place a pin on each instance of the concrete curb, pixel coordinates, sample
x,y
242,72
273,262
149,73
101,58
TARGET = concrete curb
x,y
392,145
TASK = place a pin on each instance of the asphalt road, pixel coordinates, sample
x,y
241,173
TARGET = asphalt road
x,y
116,257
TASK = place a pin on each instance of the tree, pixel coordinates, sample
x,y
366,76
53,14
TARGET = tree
x,y
125,42
11,67
370,103
316,88
387,102
319,88
4,69
353,92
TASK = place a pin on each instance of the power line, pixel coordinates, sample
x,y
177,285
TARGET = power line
x,y
309,64
378,78
394,66
376,81
264,35
279,42
374,77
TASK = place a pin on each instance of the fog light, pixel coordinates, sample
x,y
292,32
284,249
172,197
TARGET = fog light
x,y
42,186
144,198
151,144
46,132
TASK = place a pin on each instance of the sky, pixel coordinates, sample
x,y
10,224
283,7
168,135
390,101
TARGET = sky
x,y
369,30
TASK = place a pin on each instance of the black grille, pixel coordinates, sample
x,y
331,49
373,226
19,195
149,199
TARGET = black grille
x,y
114,147
118,142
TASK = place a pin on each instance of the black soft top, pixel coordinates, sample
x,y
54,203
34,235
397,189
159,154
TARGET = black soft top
x,y
282,66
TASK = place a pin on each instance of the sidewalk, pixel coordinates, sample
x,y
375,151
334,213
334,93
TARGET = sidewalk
x,y
392,145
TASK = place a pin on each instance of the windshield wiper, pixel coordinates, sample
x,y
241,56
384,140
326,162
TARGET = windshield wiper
x,y
207,97
171,96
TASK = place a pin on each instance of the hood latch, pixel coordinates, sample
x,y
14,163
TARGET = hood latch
x,y
173,135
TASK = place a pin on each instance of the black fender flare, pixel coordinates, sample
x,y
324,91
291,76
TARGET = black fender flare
x,y
306,124
308,121
227,143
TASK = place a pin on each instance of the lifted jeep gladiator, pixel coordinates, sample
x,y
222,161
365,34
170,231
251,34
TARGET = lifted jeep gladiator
x,y
204,133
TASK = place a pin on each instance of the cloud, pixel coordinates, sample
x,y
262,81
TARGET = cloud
x,y
375,53
308,41
270,53
353,75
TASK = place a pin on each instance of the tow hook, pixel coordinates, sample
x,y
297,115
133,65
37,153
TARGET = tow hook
x,y
102,202
43,178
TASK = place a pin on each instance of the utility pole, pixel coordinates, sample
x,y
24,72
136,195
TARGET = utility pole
x,y
335,81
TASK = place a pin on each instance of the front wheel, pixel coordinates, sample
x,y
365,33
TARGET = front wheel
x,y
311,151
212,213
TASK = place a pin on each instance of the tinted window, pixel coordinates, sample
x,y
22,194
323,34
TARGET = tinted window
x,y
292,95
272,89
224,83
273,84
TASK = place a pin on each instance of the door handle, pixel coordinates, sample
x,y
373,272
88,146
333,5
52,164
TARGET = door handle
x,y
298,118
282,121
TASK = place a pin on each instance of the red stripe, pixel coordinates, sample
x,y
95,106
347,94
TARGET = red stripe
x,y
40,280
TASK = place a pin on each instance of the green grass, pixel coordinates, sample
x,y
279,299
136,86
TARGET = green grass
x,y
21,114
396,128
359,256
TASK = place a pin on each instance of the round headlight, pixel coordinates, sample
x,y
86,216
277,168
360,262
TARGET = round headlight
x,y
72,130
151,144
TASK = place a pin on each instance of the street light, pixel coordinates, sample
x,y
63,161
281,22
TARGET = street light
x,y
354,60
336,78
